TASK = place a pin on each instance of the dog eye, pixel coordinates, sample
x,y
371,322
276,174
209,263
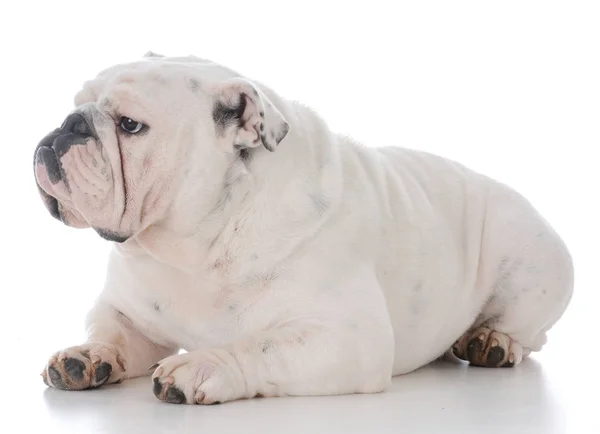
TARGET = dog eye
x,y
131,126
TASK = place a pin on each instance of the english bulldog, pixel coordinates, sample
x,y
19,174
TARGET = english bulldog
x,y
258,253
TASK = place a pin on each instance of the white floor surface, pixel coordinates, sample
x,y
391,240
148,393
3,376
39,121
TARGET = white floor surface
x,y
551,393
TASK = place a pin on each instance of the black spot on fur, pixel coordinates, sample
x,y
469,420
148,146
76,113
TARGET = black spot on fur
x,y
102,373
320,203
245,155
193,84
262,114
266,346
157,307
74,368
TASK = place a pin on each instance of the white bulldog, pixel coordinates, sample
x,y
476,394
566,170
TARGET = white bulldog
x,y
285,259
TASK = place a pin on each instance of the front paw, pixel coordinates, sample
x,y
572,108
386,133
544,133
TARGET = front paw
x,y
203,377
84,367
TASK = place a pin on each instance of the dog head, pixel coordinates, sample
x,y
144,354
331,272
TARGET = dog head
x,y
150,139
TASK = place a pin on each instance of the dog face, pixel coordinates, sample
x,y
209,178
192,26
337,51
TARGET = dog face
x,y
151,139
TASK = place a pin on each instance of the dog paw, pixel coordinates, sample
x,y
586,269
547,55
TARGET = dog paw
x,y
84,367
195,378
488,348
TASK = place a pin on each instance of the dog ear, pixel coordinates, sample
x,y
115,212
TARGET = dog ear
x,y
242,110
152,54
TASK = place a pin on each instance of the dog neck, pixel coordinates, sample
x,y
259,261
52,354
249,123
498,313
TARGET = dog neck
x,y
269,204
184,243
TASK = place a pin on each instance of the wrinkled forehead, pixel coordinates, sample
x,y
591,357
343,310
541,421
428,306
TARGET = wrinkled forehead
x,y
151,80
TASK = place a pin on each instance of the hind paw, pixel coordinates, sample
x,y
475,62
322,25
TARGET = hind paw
x,y
488,348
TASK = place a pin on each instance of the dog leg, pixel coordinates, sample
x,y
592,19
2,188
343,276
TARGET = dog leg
x,y
115,350
296,361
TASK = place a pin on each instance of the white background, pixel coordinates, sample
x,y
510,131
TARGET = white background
x,y
510,88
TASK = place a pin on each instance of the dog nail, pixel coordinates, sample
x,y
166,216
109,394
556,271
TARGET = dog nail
x,y
200,397
153,367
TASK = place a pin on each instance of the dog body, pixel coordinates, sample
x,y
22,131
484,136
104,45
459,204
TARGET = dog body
x,y
285,259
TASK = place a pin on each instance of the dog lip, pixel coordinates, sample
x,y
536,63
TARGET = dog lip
x,y
48,173
51,204
45,157
53,208
49,159
112,236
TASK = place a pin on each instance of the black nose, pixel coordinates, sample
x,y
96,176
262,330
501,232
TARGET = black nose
x,y
74,131
75,123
